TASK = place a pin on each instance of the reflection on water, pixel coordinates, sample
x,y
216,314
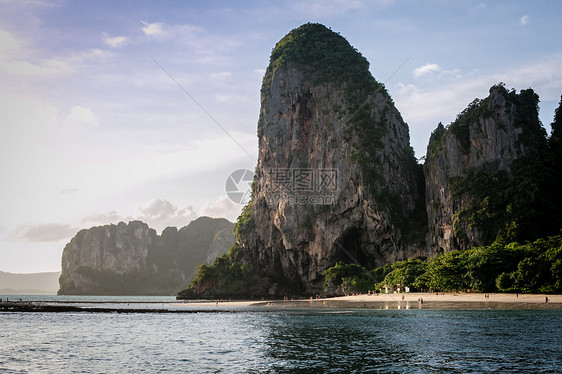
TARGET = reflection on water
x,y
385,341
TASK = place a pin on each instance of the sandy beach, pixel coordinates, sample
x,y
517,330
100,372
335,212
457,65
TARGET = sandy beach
x,y
398,301
437,301
457,297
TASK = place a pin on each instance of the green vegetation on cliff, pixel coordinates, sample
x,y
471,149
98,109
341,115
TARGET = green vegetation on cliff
x,y
516,208
519,203
526,117
226,277
500,267
325,56
245,222
555,147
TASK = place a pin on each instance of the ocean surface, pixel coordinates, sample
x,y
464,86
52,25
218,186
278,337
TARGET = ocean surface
x,y
258,340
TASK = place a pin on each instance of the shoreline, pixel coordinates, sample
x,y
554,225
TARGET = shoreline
x,y
417,300
414,300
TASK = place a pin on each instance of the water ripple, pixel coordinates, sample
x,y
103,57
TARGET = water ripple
x,y
398,341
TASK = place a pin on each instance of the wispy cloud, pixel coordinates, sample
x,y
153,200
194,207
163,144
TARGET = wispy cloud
x,y
524,20
434,70
114,42
155,29
425,105
222,207
47,232
221,75
161,213
82,115
426,69
17,58
163,30
103,218
325,8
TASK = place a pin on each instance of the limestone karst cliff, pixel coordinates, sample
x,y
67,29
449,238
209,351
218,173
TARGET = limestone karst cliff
x,y
487,175
336,178
132,259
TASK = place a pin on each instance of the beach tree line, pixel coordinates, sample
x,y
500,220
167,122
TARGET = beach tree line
x,y
532,267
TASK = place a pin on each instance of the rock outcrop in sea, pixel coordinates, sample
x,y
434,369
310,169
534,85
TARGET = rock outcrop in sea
x,y
336,178
132,259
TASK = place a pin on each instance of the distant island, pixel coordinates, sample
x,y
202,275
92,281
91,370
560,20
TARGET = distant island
x,y
132,259
341,205
46,283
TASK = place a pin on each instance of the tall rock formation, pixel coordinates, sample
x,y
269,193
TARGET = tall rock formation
x,y
483,172
336,178
132,259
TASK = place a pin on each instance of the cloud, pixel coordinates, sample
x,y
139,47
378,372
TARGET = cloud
x,y
8,42
225,98
223,207
183,32
524,20
425,105
114,42
325,8
153,29
104,218
161,213
427,68
47,232
83,115
158,209
18,59
221,75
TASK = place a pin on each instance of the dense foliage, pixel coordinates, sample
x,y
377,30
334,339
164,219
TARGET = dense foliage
x,y
324,55
500,267
245,222
227,276
526,117
555,147
517,204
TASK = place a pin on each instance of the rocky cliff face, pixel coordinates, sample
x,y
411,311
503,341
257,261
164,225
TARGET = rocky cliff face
x,y
133,259
470,163
336,177
337,180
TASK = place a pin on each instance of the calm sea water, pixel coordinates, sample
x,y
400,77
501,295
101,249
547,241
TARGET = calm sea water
x,y
283,341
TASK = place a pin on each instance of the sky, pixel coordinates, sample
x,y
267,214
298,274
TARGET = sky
x,y
123,110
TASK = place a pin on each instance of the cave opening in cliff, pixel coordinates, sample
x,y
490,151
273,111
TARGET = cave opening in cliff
x,y
350,248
